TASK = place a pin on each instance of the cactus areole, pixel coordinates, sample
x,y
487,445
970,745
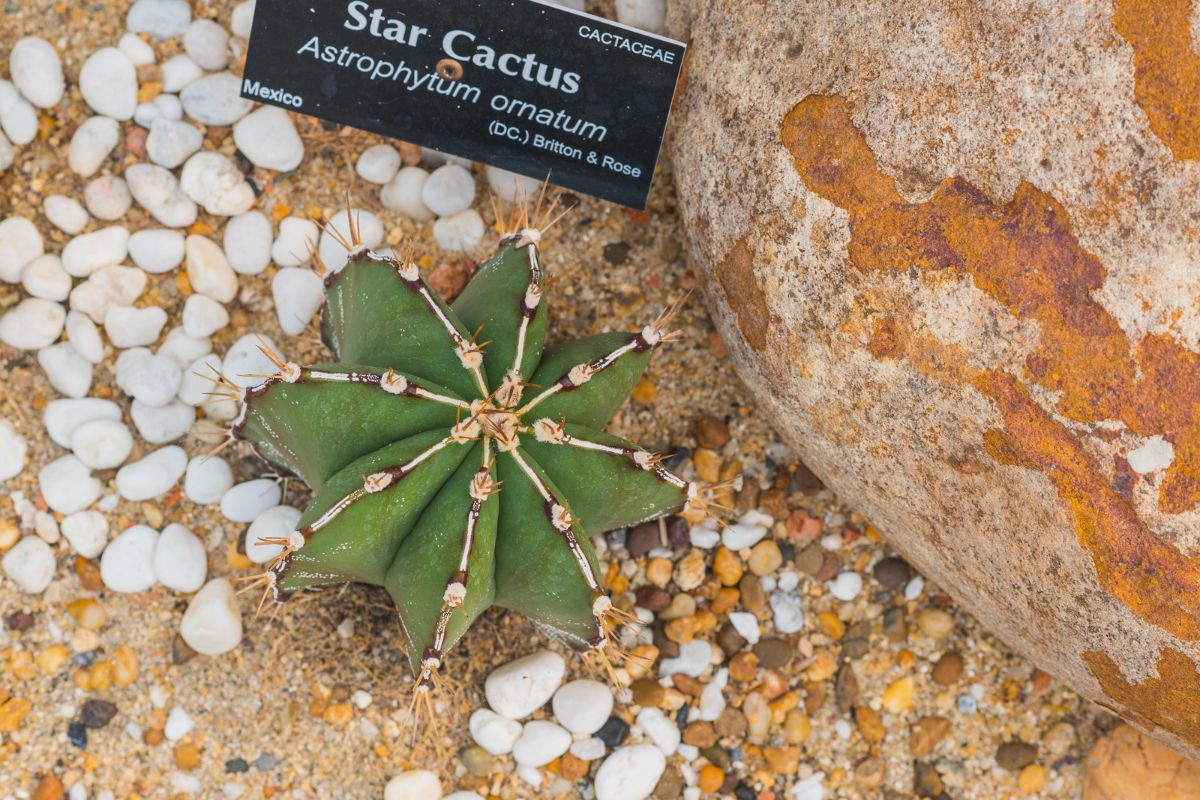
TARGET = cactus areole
x,y
456,472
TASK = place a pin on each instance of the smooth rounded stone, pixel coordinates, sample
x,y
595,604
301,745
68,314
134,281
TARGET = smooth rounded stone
x,y
846,586
105,288
294,245
247,242
179,724
275,522
88,252
212,623
540,743
589,749
462,231
207,43
6,153
464,794
646,15
370,230
164,106
32,324
449,189
20,243
45,278
436,158
156,189
182,348
242,19
208,269
127,564
267,137
215,99
378,163
518,688
102,443
244,501
62,417
127,326
203,316
214,182
1126,764
65,213
162,424
512,187
583,706
179,72
207,480
298,294
67,485
788,611
37,71
492,732
13,447
68,371
693,659
18,118
138,51
416,784
91,144
180,562
661,730
153,475
162,19
169,105
172,142
245,359
108,83
738,536
156,250
86,531
403,193
107,197
30,564
84,336
195,384
151,378
630,773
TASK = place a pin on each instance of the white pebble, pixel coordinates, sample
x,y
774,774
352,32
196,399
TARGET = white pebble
x,y
127,564
809,788
105,288
269,140
661,730
162,424
846,586
108,83
91,144
583,706
102,443
152,378
242,19
450,189
215,99
180,562
194,381
693,659
162,19
378,163
788,609
589,749
464,794
245,359
67,485
416,784
459,232
207,480
746,625
245,501
540,743
45,277
275,522
212,623
513,187
370,230
135,49
1154,454
30,564
85,337
214,182
179,724
37,71
518,688
107,197
203,316
62,417
178,72
295,242
403,193
68,371
6,153
712,697
913,589
248,242
172,142
13,447
436,158
208,270
298,294
738,536
156,250
88,252
156,189
646,15
207,43
18,118
32,324
127,326
492,732
152,476
184,349
20,243
630,773
65,213
87,532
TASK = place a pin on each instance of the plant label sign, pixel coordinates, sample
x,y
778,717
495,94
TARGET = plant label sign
x,y
523,85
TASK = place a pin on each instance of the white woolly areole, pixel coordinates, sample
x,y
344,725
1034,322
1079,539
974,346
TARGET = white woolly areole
x,y
642,459
528,236
393,382
465,431
548,431
580,374
651,335
481,484
455,594
533,295
471,357
295,540
408,271
377,482
290,372
430,663
602,605
560,518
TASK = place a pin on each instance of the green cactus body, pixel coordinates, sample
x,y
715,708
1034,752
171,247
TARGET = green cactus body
x,y
457,473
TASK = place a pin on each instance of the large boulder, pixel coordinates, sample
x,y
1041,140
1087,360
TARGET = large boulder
x,y
955,249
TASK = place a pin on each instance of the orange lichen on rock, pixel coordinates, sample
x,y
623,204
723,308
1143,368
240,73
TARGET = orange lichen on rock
x,y
745,296
1166,73
1170,700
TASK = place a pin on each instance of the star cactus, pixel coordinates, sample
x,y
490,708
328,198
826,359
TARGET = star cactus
x,y
459,473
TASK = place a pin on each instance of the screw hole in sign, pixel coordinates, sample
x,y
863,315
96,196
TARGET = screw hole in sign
x,y
449,69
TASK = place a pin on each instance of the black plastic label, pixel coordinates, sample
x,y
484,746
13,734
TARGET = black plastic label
x,y
523,85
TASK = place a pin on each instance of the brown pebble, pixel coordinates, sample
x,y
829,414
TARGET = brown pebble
x,y
652,598
748,497
774,653
869,723
642,539
700,734
845,688
728,567
647,692
19,621
153,737
892,572
135,141
729,640
830,566
450,277
670,785
810,559
754,599
870,772
89,574
925,735
782,760
573,768
687,684
48,788
1013,756
181,651
948,669
731,723
926,781
743,667
711,432
774,502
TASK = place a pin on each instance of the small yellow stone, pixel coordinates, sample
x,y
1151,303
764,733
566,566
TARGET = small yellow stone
x,y
148,91
898,697
658,571
338,714
765,557
13,713
708,464
102,675
728,567
822,668
644,391
935,623
187,757
640,659
831,625
1032,778
233,558
9,533
88,613
53,658
125,666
